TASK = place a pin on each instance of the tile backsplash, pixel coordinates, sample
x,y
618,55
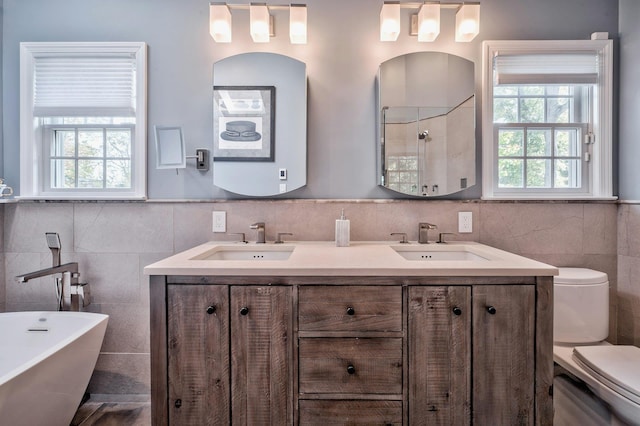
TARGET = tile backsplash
x,y
113,241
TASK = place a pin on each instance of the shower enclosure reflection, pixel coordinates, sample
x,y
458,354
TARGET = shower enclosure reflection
x,y
427,132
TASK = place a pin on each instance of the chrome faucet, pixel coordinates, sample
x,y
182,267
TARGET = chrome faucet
x,y
71,294
259,226
423,232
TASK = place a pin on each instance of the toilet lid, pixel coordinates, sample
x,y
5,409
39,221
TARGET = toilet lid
x,y
617,366
580,276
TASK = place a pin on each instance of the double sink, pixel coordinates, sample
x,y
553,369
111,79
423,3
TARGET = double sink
x,y
420,253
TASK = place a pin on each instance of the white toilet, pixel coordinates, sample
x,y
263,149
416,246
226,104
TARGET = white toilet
x,y
580,325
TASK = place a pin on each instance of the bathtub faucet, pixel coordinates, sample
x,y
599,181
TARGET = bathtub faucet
x,y
72,295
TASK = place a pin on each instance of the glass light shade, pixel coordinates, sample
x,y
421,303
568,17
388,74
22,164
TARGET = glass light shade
x,y
390,22
259,23
220,23
429,22
298,24
467,22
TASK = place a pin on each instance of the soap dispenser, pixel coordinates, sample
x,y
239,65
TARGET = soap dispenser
x,y
342,231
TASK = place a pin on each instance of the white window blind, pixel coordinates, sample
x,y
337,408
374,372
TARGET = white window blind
x,y
546,68
80,85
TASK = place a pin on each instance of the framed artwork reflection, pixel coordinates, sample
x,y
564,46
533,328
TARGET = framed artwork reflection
x,y
244,123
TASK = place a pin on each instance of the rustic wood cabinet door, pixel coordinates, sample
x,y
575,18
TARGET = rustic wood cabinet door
x,y
198,354
503,354
439,338
261,355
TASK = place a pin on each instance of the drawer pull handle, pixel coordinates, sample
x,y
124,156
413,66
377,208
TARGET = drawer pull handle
x,y
351,369
350,311
457,311
244,310
211,309
491,310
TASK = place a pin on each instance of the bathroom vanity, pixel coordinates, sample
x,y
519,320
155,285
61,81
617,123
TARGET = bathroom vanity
x,y
374,333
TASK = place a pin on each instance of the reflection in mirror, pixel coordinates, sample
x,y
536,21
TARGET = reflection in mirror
x,y
260,151
170,148
427,116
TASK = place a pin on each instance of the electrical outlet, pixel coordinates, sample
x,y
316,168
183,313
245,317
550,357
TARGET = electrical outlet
x,y
219,222
465,222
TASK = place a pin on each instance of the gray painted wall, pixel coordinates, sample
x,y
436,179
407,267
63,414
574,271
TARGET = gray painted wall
x,y
342,59
629,147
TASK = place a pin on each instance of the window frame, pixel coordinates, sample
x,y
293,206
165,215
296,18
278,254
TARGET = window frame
x,y
34,182
599,179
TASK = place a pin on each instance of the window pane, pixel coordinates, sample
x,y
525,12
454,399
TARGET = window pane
x,y
90,173
119,143
538,142
558,110
567,174
558,90
538,173
64,143
118,174
532,110
567,142
505,110
505,91
510,173
510,142
392,164
531,90
63,174
90,143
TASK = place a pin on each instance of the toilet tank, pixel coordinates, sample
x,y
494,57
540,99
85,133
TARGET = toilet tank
x,y
581,306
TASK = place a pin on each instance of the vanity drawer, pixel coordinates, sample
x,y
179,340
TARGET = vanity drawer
x,y
324,412
350,365
350,308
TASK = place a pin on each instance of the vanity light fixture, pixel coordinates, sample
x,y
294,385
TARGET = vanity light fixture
x,y
260,21
390,21
426,22
429,21
220,22
467,22
298,24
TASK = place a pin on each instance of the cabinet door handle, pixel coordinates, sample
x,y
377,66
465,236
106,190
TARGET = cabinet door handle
x,y
211,309
350,311
457,311
491,310
244,310
178,403
351,369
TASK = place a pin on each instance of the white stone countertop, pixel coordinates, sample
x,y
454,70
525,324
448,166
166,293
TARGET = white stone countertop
x,y
359,259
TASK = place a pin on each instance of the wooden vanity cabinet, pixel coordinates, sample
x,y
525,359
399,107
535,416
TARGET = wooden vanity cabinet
x,y
229,355
352,350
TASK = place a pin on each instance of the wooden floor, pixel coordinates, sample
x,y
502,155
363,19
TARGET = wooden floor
x,y
113,414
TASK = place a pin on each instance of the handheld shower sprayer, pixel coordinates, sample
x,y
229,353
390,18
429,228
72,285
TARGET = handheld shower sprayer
x,y
53,241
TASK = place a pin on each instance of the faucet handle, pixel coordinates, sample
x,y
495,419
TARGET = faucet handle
x,y
243,239
279,237
441,237
404,237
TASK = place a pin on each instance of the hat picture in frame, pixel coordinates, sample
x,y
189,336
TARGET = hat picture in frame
x,y
244,123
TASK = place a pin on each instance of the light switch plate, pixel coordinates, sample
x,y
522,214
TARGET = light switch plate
x,y
219,222
465,222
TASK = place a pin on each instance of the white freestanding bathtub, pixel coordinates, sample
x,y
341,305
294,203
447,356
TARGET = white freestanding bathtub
x,y
46,361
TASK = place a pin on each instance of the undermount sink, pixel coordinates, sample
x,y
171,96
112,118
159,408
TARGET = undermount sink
x,y
446,253
247,253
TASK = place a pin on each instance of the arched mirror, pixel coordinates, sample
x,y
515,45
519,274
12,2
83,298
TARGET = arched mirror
x,y
259,124
427,124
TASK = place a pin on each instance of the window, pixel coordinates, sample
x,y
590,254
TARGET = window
x,y
547,119
402,173
83,120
